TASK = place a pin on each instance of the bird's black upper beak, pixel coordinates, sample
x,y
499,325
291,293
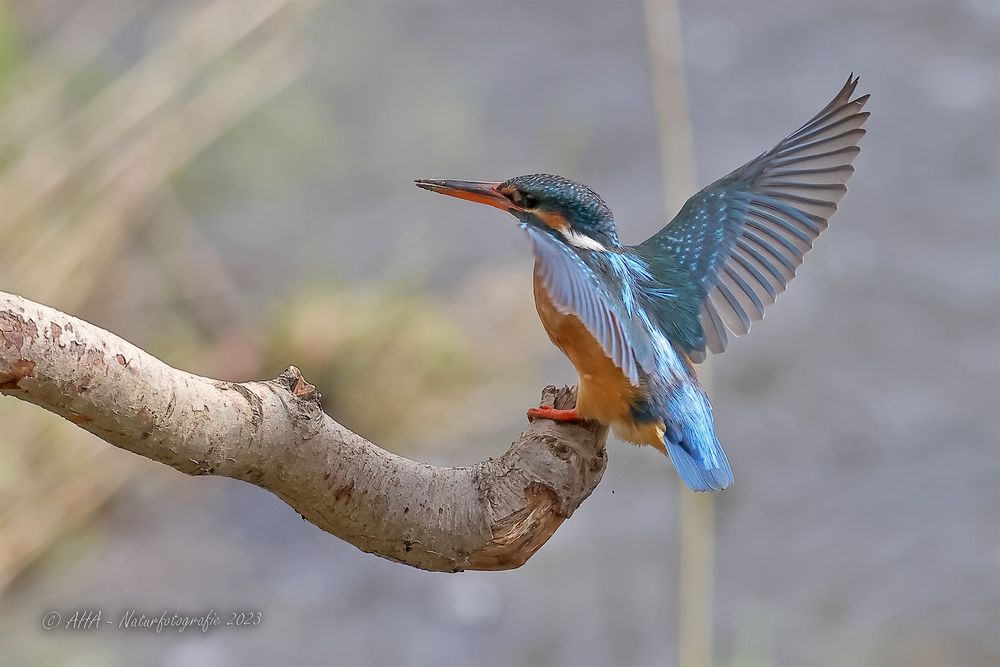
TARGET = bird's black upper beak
x,y
482,192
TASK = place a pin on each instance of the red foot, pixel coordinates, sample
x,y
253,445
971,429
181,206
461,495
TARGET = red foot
x,y
549,412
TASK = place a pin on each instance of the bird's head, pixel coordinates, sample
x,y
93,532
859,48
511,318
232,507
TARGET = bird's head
x,y
572,212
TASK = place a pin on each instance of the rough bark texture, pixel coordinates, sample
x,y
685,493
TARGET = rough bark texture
x,y
490,516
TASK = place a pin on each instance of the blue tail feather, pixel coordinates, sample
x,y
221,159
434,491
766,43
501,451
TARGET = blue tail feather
x,y
698,456
697,471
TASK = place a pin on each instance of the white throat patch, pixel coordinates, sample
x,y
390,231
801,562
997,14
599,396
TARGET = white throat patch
x,y
579,240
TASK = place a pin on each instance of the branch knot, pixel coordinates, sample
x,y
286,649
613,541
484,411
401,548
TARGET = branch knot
x,y
293,381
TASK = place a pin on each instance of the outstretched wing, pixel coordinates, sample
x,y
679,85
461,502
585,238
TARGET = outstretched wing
x,y
575,288
735,245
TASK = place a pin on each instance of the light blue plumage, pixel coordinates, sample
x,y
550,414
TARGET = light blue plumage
x,y
654,308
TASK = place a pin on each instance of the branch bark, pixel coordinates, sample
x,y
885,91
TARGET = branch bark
x,y
489,516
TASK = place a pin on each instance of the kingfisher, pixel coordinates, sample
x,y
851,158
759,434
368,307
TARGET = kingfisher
x,y
634,319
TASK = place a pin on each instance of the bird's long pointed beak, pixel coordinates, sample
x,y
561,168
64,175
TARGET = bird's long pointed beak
x,y
482,192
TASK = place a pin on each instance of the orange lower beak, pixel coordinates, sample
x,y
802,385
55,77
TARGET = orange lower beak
x,y
482,192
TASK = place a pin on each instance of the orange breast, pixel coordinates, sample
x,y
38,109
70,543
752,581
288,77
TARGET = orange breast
x,y
605,394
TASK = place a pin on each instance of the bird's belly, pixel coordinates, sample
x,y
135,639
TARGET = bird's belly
x,y
605,394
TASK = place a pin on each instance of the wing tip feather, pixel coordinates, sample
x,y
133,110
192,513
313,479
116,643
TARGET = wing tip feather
x,y
800,182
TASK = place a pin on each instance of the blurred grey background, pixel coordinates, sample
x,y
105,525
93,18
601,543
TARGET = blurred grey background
x,y
229,186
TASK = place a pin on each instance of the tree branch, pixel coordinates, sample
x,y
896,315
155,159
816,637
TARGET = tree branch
x,y
489,516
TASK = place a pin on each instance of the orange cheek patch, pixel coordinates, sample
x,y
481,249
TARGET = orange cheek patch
x,y
553,220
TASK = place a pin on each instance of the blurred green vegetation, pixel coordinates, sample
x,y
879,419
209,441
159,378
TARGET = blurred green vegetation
x,y
265,153
10,46
112,170
383,357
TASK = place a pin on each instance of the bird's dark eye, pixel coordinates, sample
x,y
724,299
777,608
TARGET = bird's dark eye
x,y
529,201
